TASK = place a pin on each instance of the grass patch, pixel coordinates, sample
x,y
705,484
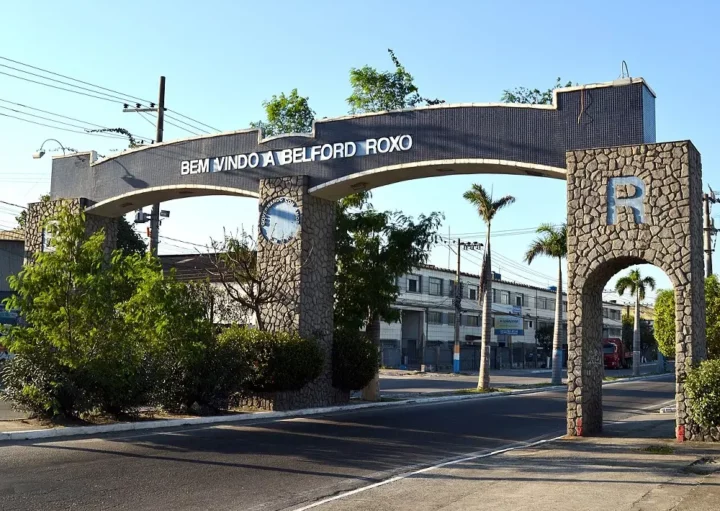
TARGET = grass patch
x,y
478,391
658,449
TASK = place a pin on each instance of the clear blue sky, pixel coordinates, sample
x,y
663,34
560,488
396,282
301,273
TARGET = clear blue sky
x,y
222,59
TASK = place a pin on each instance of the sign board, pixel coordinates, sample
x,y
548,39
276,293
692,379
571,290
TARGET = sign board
x,y
508,325
516,310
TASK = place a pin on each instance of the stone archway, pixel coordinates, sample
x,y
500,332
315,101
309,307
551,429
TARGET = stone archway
x,y
630,205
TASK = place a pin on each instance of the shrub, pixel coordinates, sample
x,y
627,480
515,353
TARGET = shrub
x,y
703,388
43,389
275,361
355,360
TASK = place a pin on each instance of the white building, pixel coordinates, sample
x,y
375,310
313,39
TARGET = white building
x,y
427,312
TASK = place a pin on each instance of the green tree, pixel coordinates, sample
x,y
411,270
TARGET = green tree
x,y
552,243
544,337
375,91
665,319
372,249
636,285
712,316
648,342
487,208
531,96
665,322
286,114
77,349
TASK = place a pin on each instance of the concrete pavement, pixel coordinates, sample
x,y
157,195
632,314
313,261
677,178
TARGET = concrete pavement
x,y
396,383
629,469
284,464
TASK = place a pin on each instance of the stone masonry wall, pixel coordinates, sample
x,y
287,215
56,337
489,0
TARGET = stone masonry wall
x,y
40,212
669,236
302,273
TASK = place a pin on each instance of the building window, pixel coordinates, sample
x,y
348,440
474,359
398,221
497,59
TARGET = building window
x,y
551,304
519,300
473,292
528,324
605,312
413,284
565,306
450,318
494,296
505,297
435,286
472,320
434,318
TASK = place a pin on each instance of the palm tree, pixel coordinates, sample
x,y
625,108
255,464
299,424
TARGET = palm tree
x,y
487,208
635,284
552,243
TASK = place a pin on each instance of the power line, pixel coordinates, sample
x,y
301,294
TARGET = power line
x,y
62,88
121,102
96,87
57,115
193,120
173,124
13,205
64,129
63,83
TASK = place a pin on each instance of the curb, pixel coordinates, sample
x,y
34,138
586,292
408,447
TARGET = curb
x,y
38,434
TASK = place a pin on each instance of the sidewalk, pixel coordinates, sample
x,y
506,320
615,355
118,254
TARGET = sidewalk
x,y
634,466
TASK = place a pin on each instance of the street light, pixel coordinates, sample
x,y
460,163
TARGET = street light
x,y
40,153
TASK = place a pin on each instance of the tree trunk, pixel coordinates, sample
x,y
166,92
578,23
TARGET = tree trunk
x,y
636,336
557,352
484,377
372,391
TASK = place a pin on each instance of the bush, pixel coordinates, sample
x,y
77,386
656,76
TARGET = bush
x,y
355,360
274,361
703,388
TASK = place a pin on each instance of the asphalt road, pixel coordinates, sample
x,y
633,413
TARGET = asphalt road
x,y
280,465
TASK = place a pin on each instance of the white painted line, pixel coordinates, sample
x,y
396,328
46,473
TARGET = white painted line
x,y
455,461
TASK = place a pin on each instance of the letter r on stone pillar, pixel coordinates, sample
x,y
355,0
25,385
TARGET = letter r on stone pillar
x,y
634,199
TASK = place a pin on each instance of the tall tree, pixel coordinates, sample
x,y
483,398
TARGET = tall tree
x,y
375,91
635,284
665,322
552,243
373,248
487,208
531,96
286,114
665,319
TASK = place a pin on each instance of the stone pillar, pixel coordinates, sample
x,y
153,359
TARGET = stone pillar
x,y
626,206
39,213
302,265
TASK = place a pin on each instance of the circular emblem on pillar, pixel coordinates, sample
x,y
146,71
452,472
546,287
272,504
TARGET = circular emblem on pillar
x,y
280,220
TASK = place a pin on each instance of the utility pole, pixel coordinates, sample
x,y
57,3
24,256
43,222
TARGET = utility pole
x,y
458,311
155,211
709,231
458,300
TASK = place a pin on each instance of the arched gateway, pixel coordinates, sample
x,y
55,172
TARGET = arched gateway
x,y
297,178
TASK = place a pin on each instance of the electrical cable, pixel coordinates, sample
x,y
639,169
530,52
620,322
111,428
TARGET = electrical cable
x,y
135,98
65,129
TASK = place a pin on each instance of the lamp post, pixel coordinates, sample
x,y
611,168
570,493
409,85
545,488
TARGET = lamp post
x,y
40,153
